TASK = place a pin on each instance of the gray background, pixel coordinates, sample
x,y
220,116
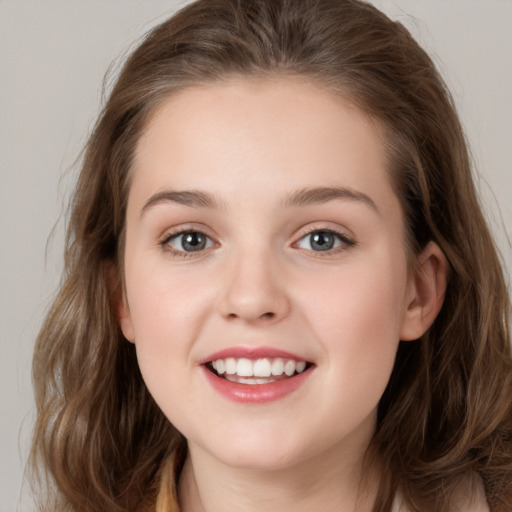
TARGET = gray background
x,y
53,55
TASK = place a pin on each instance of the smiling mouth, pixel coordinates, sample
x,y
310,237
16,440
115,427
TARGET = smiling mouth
x,y
257,371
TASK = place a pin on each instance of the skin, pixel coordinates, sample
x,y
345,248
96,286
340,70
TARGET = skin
x,y
252,146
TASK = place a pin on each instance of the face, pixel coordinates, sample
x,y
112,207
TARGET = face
x,y
266,277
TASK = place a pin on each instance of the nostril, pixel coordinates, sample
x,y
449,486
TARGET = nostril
x,y
265,316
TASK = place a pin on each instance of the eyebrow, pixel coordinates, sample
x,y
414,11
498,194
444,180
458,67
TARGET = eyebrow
x,y
319,195
192,198
303,197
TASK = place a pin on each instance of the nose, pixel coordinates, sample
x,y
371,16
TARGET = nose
x,y
254,290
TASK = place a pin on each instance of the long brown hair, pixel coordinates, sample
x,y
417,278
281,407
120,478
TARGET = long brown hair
x,y
447,411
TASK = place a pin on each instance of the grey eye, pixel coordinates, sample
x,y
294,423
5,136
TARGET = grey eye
x,y
320,241
190,241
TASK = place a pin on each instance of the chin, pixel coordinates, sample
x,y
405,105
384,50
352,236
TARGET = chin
x,y
262,455
264,462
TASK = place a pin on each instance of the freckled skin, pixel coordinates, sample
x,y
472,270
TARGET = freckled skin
x,y
259,282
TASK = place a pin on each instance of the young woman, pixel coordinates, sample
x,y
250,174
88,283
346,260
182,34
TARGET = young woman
x,y
280,291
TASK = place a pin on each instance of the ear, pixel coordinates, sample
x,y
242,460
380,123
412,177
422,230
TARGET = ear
x,y
119,303
427,287
124,318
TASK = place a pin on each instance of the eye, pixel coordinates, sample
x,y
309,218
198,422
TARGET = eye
x,y
188,241
323,241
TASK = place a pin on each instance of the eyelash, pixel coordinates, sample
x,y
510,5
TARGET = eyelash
x,y
182,253
344,242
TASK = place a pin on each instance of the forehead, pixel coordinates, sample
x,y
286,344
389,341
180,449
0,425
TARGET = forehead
x,y
242,133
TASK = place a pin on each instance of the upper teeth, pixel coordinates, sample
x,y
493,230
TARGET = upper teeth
x,y
258,368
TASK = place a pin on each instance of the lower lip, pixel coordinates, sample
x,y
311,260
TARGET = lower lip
x,y
256,393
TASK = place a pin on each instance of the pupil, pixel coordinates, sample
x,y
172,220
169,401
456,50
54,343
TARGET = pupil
x,y
193,242
322,241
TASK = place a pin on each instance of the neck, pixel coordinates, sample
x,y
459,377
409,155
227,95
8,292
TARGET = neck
x,y
320,483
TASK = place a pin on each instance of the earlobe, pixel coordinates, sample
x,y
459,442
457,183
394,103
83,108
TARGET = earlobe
x,y
119,304
427,288
124,318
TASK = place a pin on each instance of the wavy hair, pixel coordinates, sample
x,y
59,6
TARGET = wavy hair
x,y
100,438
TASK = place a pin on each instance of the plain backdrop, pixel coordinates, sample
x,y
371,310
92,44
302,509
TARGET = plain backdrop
x,y
53,56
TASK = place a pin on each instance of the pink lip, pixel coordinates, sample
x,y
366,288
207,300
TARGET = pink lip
x,y
255,393
251,353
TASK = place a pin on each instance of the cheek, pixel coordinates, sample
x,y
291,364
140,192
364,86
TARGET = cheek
x,y
164,315
357,312
159,313
162,301
168,310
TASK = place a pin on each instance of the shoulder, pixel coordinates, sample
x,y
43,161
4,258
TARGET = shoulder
x,y
469,496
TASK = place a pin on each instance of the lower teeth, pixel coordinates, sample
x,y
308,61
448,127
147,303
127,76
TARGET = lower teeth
x,y
254,380
250,380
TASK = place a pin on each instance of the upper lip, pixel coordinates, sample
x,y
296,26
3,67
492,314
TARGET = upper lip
x,y
251,353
